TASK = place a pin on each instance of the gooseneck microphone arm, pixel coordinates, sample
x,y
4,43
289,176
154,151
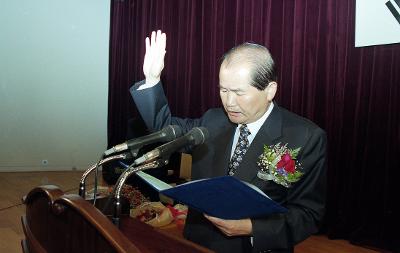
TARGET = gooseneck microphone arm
x,y
166,134
121,180
154,159
82,182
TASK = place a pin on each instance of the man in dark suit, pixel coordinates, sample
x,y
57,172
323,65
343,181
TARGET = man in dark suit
x,y
250,118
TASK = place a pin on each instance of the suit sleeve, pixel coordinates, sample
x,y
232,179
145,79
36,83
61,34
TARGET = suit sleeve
x,y
153,106
305,202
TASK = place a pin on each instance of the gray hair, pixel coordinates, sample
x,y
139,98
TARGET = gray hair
x,y
260,60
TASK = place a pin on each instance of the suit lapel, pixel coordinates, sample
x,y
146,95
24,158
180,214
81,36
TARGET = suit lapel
x,y
269,132
223,150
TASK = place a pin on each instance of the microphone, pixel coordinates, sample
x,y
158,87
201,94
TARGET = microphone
x,y
194,137
168,133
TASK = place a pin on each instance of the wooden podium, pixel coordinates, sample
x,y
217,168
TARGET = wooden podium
x,y
58,222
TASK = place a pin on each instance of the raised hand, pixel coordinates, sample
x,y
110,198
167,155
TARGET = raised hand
x,y
154,58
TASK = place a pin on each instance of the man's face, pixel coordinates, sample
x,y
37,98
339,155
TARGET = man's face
x,y
243,103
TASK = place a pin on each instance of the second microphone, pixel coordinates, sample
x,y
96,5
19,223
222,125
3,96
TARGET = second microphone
x,y
196,136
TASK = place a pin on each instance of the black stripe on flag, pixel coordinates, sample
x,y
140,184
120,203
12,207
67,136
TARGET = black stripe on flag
x,y
397,2
393,10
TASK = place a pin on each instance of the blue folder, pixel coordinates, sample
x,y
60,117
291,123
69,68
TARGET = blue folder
x,y
224,197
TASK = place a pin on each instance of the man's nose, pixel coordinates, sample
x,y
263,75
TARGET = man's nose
x,y
230,99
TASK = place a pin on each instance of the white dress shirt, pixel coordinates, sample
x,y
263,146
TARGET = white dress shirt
x,y
253,128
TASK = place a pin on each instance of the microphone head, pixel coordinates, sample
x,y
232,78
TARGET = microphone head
x,y
198,135
171,132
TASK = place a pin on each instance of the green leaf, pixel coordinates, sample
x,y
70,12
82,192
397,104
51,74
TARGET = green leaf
x,y
294,153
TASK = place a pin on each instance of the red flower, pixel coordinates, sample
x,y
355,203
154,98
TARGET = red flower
x,y
287,163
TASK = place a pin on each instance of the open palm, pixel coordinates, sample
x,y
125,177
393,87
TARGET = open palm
x,y
154,58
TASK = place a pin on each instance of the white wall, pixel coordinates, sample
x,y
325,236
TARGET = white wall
x,y
53,83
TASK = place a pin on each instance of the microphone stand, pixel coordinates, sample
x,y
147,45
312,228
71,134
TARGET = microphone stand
x,y
124,176
82,186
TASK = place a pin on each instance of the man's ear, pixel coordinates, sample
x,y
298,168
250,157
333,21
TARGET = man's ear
x,y
271,90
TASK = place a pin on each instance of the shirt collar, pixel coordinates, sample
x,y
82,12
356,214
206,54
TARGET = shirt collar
x,y
254,127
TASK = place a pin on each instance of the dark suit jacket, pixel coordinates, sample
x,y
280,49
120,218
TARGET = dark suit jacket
x,y
305,199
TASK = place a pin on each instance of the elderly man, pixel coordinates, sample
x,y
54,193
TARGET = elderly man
x,y
244,135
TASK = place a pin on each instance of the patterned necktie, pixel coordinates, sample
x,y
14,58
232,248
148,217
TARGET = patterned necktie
x,y
240,150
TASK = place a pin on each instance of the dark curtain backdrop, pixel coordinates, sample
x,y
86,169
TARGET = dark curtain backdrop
x,y
353,93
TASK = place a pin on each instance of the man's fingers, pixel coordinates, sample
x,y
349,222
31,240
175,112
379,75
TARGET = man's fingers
x,y
157,42
158,36
153,38
162,42
219,223
214,220
147,42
